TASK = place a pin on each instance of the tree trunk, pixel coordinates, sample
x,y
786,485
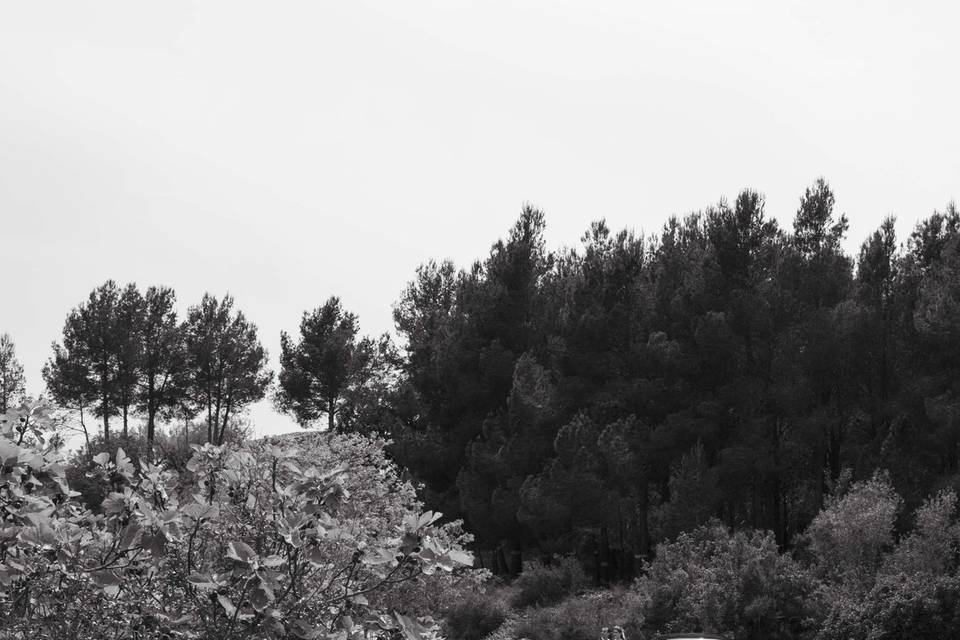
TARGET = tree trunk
x,y
216,418
105,407
226,419
86,435
151,411
331,409
209,419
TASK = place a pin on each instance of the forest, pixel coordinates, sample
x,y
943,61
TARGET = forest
x,y
728,426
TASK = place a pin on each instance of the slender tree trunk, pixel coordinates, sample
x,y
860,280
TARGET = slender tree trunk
x,y
331,409
105,407
151,411
86,434
209,416
226,420
216,419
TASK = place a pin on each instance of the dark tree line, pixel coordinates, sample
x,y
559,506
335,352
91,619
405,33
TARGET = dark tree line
x,y
125,353
597,400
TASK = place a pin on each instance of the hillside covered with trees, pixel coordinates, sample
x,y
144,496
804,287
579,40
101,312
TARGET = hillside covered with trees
x,y
601,399
729,400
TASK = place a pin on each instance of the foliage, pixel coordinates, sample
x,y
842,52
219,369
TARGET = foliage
x,y
721,582
162,360
226,364
541,584
266,540
693,497
474,617
931,548
597,399
582,618
84,368
124,353
12,382
899,607
850,536
327,371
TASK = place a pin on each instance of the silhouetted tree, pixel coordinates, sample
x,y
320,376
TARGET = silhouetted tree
x,y
12,382
84,369
327,362
226,364
163,359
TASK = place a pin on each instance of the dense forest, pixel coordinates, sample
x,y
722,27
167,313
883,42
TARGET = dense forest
x,y
726,389
601,399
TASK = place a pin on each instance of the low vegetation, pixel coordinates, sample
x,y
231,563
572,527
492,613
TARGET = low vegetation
x,y
252,541
740,584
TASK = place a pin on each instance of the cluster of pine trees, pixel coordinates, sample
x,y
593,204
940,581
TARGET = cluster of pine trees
x,y
598,400
125,353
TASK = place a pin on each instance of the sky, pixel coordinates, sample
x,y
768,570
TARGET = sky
x,y
285,152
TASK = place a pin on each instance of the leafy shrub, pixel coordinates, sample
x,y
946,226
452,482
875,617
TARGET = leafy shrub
x,y
582,618
79,466
474,617
931,549
900,607
852,533
541,585
721,582
257,541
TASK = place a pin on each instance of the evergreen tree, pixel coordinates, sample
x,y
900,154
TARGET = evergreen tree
x,y
325,368
84,369
226,364
163,359
12,382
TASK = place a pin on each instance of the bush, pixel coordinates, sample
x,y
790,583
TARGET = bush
x,y
541,585
80,465
582,618
853,532
901,607
718,582
475,617
256,541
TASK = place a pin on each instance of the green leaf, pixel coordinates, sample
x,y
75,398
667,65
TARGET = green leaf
x,y
240,551
226,604
260,598
273,561
461,557
202,581
411,629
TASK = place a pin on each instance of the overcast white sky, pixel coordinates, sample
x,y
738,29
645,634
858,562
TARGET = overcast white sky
x,y
285,152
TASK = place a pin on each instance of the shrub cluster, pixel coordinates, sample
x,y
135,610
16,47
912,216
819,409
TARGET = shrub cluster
x,y
721,582
257,541
582,618
541,585
474,617
848,577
